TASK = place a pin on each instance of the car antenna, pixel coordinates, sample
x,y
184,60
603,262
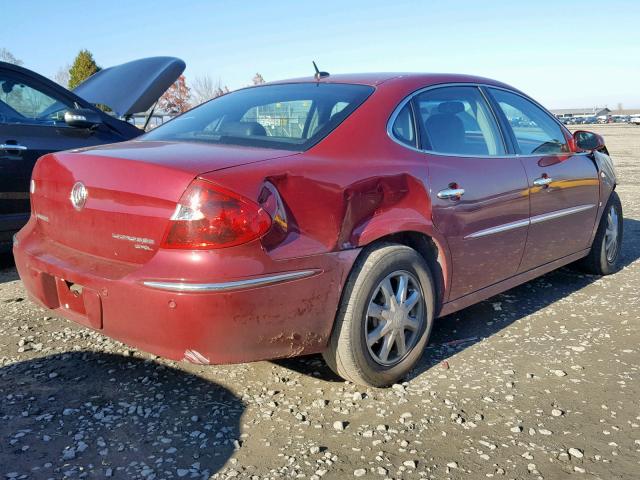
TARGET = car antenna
x,y
319,74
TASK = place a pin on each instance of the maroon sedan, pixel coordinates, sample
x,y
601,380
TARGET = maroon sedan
x,y
337,214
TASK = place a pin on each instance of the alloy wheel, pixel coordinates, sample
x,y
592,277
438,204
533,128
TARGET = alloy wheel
x,y
611,235
394,318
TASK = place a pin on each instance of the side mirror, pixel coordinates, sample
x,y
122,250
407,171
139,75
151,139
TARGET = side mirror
x,y
588,141
82,118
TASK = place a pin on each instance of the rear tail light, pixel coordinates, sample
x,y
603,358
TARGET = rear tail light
x,y
208,216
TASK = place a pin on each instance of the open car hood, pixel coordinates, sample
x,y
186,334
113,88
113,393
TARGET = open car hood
x,y
132,87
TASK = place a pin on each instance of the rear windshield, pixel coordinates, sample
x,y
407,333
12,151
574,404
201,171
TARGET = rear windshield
x,y
288,116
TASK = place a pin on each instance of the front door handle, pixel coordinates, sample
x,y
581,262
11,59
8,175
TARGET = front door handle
x,y
10,146
542,181
451,193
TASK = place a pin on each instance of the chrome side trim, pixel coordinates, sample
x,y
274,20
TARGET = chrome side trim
x,y
226,286
560,213
450,193
11,146
530,221
500,228
542,181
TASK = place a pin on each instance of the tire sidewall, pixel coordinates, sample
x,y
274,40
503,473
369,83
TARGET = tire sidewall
x,y
404,259
606,266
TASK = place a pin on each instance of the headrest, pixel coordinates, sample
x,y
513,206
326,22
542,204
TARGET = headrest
x,y
451,107
243,129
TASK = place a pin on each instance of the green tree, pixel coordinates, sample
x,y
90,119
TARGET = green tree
x,y
83,67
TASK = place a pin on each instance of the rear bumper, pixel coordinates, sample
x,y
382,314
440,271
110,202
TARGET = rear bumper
x,y
285,308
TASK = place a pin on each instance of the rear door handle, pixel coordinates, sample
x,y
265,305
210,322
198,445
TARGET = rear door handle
x,y
10,146
449,193
542,181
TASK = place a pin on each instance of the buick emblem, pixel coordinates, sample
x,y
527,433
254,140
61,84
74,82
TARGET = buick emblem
x,y
78,195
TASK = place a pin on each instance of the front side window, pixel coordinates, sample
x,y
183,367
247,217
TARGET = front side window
x,y
535,131
458,121
23,103
287,116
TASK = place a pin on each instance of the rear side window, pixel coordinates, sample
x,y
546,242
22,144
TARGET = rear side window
x,y
457,120
403,128
535,131
287,116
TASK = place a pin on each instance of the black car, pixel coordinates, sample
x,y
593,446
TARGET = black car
x,y
38,116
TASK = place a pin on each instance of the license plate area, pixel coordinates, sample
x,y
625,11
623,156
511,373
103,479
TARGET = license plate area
x,y
81,303
70,296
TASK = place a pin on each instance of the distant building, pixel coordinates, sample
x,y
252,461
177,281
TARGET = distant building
x,y
581,112
626,111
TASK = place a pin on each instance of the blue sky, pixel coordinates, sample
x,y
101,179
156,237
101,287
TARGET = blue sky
x,y
564,53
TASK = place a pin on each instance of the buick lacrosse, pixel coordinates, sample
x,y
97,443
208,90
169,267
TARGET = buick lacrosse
x,y
335,214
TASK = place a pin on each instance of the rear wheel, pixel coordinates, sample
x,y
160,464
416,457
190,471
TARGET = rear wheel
x,y
385,317
603,259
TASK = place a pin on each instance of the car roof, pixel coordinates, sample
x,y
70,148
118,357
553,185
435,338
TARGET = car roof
x,y
396,78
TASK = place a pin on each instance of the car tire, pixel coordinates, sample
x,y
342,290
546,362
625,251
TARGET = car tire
x,y
604,256
374,287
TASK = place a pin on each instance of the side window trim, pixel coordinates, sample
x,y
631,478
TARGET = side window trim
x,y
506,144
506,132
414,123
508,137
423,134
415,144
410,99
424,144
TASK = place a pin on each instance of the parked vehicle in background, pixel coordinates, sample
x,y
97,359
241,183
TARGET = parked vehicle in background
x,y
38,116
634,119
339,215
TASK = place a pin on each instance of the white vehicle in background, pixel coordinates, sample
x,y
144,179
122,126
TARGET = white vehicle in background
x,y
635,119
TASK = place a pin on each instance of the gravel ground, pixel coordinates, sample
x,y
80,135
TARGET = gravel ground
x,y
539,382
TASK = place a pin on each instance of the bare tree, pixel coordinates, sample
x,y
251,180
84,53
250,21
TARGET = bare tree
x,y
203,89
220,90
62,76
258,79
7,56
619,106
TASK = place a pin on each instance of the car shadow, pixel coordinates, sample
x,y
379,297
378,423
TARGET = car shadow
x,y
460,330
8,272
95,414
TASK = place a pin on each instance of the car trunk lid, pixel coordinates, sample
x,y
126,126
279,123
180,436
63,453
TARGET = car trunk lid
x,y
146,80
131,192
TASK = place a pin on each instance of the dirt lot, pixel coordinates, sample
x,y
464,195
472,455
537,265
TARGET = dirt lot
x,y
540,382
